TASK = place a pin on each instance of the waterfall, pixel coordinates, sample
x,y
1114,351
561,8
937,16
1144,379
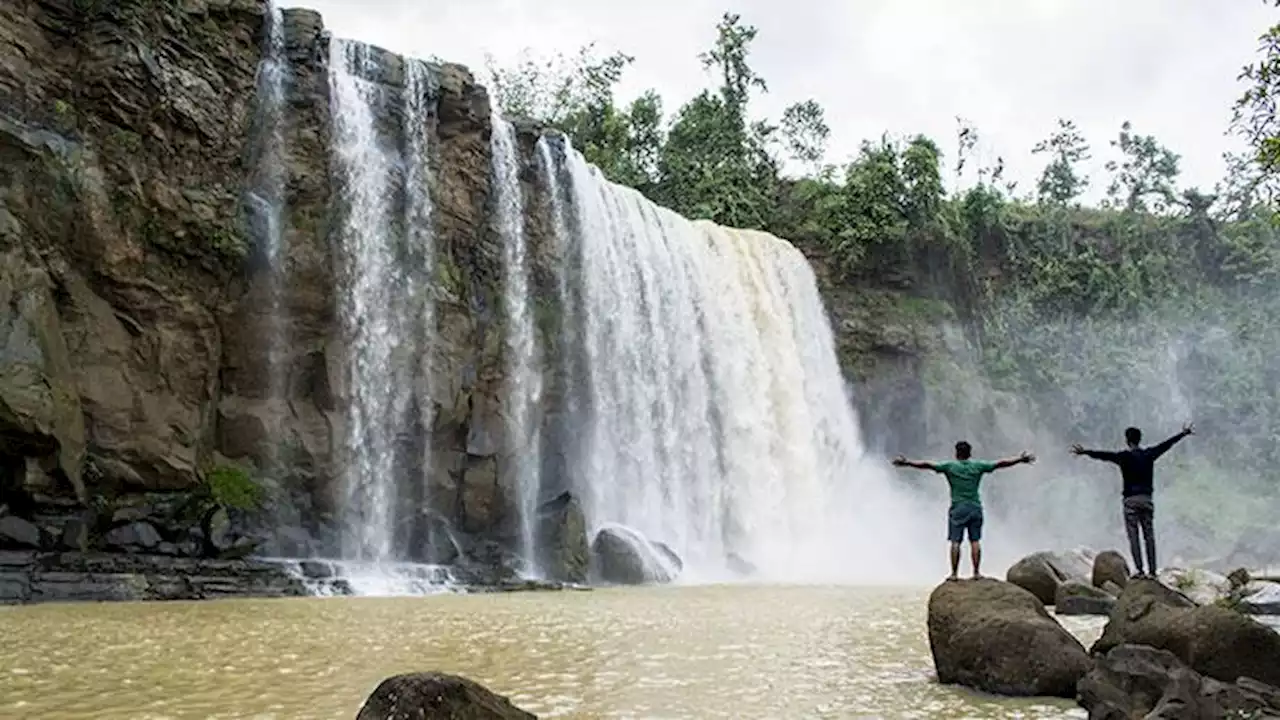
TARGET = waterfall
x,y
715,410
266,198
385,245
523,372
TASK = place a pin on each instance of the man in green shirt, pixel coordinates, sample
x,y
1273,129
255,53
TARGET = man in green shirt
x,y
964,475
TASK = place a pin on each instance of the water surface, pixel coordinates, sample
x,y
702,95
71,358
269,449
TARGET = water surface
x,y
674,652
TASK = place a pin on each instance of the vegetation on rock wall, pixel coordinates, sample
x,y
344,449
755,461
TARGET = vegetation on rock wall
x,y
1155,305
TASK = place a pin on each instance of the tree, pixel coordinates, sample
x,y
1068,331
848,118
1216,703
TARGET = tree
x,y
1145,176
1060,183
1254,113
805,131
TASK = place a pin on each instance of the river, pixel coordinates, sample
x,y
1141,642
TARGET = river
x,y
671,652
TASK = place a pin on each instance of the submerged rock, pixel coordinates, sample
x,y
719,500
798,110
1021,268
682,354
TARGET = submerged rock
x,y
437,696
1135,681
1041,573
1213,640
996,637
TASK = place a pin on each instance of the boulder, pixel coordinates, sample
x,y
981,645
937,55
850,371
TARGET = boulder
x,y
623,556
1136,681
562,536
1079,598
437,696
18,533
1110,566
1214,641
672,557
996,637
134,536
1041,573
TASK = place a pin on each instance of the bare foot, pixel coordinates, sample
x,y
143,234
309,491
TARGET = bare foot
x,y
978,576
952,578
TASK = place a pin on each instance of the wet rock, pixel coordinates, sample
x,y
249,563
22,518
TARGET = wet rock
x,y
1041,573
1203,587
1260,598
996,637
437,696
623,556
1110,567
1135,681
1212,640
133,536
562,534
1079,598
18,533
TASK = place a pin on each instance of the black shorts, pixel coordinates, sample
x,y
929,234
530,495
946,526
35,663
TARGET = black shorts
x,y
964,517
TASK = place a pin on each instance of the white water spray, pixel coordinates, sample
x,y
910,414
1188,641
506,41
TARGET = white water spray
x,y
524,376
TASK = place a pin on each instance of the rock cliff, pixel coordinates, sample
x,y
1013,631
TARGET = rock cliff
x,y
149,342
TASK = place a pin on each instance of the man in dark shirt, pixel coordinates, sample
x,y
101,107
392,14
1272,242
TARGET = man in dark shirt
x,y
964,475
1137,465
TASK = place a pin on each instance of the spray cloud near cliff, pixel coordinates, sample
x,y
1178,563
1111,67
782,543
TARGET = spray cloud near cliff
x,y
1043,384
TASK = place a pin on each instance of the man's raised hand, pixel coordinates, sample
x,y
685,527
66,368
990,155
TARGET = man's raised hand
x,y
1188,429
1077,449
900,460
1027,457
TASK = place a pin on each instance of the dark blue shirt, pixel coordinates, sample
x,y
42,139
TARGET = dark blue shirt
x,y
1137,464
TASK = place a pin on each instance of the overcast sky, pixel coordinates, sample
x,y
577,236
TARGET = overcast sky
x,y
1012,67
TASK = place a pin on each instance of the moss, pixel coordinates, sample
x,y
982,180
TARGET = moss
x,y
232,487
229,244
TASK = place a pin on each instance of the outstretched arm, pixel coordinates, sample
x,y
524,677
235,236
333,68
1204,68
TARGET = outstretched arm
x,y
1105,455
1163,447
902,461
1025,457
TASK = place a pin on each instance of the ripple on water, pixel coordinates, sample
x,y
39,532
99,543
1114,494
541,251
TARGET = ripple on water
x,y
712,652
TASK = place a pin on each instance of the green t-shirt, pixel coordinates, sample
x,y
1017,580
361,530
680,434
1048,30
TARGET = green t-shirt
x,y
964,476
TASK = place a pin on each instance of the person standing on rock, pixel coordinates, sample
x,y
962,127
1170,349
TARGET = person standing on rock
x,y
964,475
1137,468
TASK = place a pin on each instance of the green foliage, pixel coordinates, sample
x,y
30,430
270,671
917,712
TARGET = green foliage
x,y
1061,182
231,487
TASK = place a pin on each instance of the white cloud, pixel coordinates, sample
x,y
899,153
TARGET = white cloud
x,y
904,66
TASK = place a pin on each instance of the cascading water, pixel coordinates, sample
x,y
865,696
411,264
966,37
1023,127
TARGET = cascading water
x,y
266,199
715,409
386,243
524,376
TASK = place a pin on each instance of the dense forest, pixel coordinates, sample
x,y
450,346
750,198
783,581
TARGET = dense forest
x,y
1156,305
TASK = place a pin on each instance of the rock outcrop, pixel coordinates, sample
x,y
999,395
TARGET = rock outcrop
x,y
997,637
30,577
1212,640
437,696
1041,573
562,530
1135,681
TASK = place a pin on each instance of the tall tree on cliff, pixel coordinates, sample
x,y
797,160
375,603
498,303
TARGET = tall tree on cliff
x,y
716,163
1254,118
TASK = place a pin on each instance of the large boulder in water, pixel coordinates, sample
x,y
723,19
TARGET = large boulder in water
x,y
562,535
1110,567
1041,573
437,696
623,556
994,636
1214,641
1136,681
